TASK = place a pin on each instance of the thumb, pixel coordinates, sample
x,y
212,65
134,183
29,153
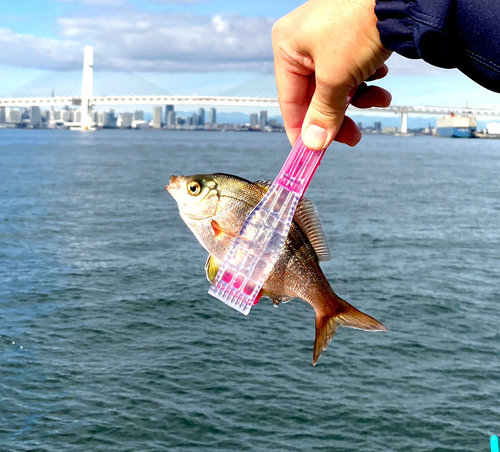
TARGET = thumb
x,y
325,115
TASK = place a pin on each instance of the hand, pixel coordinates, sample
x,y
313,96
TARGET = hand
x,y
322,51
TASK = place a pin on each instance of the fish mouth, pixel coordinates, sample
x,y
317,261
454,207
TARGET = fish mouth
x,y
173,184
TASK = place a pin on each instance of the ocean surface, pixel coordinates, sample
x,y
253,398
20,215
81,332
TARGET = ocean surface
x,y
110,341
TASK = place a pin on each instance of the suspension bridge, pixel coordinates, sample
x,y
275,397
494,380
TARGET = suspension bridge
x,y
86,100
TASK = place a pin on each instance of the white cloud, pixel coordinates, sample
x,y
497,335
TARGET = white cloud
x,y
176,42
399,65
162,42
29,51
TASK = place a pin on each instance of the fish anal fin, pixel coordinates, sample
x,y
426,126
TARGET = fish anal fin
x,y
345,315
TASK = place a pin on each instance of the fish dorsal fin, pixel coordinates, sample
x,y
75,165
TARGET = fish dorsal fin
x,y
211,267
265,184
307,218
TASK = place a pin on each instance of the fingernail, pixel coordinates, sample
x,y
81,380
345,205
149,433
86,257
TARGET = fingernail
x,y
314,137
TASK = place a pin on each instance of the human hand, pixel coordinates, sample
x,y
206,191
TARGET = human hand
x,y
322,51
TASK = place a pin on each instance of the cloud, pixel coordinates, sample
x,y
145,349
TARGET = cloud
x,y
399,65
162,42
175,41
29,51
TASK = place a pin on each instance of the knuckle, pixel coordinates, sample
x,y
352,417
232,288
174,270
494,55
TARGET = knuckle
x,y
325,109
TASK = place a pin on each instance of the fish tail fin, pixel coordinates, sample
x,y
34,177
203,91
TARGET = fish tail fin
x,y
341,314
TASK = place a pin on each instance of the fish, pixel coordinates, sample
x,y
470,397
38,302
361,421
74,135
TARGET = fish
x,y
215,206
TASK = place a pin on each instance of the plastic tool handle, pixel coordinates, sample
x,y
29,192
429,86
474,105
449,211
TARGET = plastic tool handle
x,y
301,164
299,168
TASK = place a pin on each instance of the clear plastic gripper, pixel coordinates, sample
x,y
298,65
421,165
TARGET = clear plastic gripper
x,y
256,250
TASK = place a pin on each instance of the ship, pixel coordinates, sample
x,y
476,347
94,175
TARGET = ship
x,y
457,126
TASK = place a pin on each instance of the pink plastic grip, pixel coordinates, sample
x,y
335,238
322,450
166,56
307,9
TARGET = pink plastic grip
x,y
301,164
299,168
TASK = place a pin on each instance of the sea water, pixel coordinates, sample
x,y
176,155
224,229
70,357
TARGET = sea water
x,y
110,341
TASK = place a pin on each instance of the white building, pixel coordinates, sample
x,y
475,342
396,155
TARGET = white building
x,y
35,117
126,119
66,115
157,117
140,124
13,115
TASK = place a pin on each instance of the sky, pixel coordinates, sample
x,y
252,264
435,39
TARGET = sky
x,y
185,47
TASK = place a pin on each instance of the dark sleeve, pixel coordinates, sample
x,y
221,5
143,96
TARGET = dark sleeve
x,y
463,34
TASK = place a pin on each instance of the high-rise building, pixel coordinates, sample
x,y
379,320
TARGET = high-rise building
x,y
263,119
213,115
66,115
35,117
138,115
254,120
157,117
127,119
3,117
109,119
194,119
201,116
14,116
377,126
171,119
168,109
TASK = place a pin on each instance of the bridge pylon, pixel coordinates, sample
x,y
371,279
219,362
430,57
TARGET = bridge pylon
x,y
87,87
404,120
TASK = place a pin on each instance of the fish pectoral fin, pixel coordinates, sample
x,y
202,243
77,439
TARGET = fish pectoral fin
x,y
345,315
218,230
211,268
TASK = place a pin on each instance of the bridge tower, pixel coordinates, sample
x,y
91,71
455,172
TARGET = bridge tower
x,y
404,120
87,87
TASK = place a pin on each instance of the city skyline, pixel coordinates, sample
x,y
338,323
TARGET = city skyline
x,y
162,117
229,43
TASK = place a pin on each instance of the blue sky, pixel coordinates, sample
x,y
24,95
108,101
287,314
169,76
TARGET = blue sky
x,y
185,46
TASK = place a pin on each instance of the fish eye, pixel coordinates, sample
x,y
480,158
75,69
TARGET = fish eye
x,y
194,188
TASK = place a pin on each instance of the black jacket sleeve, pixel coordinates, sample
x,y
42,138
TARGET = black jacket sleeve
x,y
463,34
